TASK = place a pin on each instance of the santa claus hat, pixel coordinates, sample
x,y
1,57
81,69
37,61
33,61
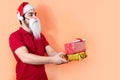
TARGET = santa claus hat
x,y
22,9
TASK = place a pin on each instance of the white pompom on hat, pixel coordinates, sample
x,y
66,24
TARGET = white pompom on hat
x,y
22,9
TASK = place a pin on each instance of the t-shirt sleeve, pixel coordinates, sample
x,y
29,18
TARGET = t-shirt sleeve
x,y
15,42
44,40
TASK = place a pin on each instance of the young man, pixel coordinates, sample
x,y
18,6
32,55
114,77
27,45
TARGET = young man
x,y
29,45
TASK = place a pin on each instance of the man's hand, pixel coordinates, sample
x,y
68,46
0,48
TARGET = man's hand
x,y
57,59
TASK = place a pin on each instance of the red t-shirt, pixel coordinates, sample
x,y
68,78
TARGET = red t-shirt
x,y
26,71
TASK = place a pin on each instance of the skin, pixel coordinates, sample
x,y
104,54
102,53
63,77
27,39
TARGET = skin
x,y
53,57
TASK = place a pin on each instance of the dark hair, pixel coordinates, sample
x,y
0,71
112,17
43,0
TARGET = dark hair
x,y
23,19
20,22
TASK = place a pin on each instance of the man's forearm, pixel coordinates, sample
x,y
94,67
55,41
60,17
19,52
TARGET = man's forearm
x,y
30,58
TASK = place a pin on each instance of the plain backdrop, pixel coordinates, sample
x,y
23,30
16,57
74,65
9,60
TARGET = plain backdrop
x,y
98,21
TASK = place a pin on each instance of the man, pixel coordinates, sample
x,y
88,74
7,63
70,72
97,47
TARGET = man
x,y
29,46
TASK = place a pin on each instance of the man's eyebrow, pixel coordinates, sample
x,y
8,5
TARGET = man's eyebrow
x,y
32,12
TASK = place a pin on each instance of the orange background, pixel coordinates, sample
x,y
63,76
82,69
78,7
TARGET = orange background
x,y
98,21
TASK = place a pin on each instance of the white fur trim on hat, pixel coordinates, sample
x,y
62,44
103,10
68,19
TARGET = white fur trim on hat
x,y
19,17
27,8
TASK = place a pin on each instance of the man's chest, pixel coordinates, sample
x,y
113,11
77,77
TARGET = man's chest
x,y
34,46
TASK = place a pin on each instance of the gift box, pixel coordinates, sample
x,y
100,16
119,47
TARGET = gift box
x,y
76,46
77,56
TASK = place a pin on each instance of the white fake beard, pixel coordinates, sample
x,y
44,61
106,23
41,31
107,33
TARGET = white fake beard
x,y
35,27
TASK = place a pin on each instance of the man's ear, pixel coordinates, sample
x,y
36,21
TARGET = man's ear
x,y
24,23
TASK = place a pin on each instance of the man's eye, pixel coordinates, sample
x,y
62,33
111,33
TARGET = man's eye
x,y
31,15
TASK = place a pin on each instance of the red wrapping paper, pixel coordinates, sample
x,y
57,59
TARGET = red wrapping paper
x,y
75,46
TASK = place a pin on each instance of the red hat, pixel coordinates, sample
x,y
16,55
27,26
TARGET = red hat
x,y
22,9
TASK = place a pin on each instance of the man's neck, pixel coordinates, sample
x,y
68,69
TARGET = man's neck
x,y
26,28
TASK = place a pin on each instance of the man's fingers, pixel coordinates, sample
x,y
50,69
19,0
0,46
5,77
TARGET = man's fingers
x,y
64,60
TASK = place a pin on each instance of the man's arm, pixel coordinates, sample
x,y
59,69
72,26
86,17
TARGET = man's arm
x,y
34,59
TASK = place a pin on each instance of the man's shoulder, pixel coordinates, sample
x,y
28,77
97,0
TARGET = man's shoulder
x,y
14,34
42,34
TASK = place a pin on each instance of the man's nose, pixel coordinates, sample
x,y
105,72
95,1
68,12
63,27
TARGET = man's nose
x,y
34,16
